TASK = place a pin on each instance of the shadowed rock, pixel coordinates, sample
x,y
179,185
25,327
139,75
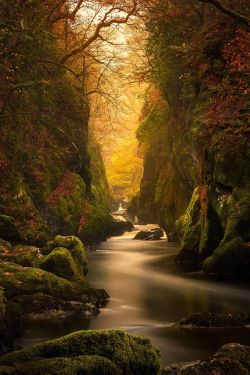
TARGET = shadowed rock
x,y
87,352
231,359
213,321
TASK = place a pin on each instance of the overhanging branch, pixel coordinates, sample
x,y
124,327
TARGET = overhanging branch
x,y
229,12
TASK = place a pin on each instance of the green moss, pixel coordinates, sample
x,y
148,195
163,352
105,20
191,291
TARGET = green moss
x,y
189,226
76,248
17,281
69,201
154,123
97,224
130,354
61,263
229,257
26,256
84,365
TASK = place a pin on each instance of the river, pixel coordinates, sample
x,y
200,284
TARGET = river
x,y
149,294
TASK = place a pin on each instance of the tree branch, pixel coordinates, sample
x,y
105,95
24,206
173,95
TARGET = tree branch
x,y
103,24
229,12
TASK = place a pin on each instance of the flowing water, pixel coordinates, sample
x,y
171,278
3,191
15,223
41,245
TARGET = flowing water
x,y
149,294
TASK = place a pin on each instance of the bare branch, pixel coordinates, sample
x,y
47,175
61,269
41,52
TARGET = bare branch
x,y
102,25
229,12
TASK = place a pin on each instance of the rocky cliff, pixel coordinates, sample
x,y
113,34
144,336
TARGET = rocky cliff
x,y
169,165
49,182
196,137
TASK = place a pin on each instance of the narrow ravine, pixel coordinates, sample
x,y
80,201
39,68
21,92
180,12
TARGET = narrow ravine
x,y
149,295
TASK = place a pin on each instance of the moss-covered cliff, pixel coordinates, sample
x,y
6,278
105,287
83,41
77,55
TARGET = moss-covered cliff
x,y
46,182
200,138
169,166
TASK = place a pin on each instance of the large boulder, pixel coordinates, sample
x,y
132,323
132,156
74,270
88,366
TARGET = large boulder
x,y
231,257
49,281
208,320
154,234
231,359
214,232
87,352
142,235
17,281
119,225
76,248
61,263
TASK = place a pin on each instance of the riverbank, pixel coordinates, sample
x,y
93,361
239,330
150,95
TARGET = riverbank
x,y
149,295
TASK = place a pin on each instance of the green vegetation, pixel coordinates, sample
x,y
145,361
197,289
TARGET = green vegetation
x,y
194,132
44,159
111,352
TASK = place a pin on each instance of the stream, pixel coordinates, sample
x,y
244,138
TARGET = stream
x,y
149,294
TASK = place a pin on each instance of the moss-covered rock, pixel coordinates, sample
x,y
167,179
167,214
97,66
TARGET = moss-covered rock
x,y
26,256
169,173
128,354
61,263
17,281
231,359
189,231
96,224
76,248
84,365
119,225
217,231
230,257
210,320
45,180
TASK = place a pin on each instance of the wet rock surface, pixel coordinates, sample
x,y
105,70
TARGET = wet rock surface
x,y
44,283
119,225
215,320
86,352
154,234
231,359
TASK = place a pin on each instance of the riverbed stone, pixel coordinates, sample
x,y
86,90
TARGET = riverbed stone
x,y
76,248
61,263
209,320
17,280
115,351
119,225
154,234
231,359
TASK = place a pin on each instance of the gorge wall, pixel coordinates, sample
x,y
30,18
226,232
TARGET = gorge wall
x,y
52,177
195,136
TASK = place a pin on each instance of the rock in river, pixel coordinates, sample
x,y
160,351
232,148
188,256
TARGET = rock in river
x,y
87,353
154,234
210,320
231,359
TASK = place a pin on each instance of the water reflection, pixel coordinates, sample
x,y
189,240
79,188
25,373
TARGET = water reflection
x,y
149,295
